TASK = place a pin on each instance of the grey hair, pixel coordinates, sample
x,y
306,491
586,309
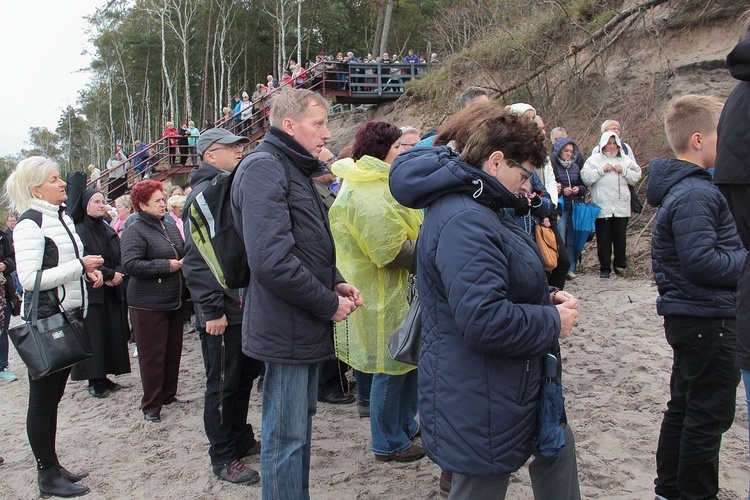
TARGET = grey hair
x,y
469,95
30,173
176,201
124,200
558,130
608,123
409,130
293,103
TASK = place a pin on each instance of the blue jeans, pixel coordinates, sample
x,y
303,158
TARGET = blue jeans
x,y
4,337
290,396
364,383
393,406
565,226
746,382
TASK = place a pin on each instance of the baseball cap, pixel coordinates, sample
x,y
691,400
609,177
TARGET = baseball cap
x,y
217,135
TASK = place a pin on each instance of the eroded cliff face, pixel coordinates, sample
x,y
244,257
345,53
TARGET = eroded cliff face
x,y
665,53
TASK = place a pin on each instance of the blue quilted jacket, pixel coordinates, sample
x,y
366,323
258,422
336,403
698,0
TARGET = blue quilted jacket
x,y
696,253
486,315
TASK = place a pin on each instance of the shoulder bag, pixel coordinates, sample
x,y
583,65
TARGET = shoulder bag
x,y
48,345
405,343
545,239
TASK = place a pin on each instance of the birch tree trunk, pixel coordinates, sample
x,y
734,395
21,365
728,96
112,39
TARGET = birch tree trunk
x,y
184,11
378,29
386,26
204,91
164,69
299,31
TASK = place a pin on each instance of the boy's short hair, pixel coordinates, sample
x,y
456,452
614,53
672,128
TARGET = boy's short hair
x,y
687,115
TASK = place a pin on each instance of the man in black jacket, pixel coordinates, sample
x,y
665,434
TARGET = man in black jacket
x,y
218,318
295,290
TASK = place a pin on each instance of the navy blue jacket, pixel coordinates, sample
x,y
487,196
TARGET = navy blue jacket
x,y
568,177
696,253
486,315
290,299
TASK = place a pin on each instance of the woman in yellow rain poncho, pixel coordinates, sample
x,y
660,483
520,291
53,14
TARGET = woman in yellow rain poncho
x,y
375,243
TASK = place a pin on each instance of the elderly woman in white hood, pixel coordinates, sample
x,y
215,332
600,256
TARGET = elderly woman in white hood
x,y
608,174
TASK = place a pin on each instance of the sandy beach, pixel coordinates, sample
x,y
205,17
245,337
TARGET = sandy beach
x,y
616,374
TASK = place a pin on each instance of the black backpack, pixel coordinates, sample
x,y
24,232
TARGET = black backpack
x,y
211,226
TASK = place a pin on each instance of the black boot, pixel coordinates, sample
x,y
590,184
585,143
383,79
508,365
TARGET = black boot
x,y
51,482
73,478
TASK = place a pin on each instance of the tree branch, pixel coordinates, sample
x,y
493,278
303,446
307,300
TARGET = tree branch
x,y
575,49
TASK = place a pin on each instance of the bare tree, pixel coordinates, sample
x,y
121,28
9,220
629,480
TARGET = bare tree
x,y
386,26
161,11
378,29
180,22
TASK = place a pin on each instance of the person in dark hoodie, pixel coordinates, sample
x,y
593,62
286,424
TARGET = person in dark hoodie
x,y
218,318
732,176
697,257
106,321
489,313
572,189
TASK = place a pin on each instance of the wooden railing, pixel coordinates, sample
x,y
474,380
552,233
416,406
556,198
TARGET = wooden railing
x,y
355,83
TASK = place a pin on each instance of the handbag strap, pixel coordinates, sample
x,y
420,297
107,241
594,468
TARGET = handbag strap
x,y
35,298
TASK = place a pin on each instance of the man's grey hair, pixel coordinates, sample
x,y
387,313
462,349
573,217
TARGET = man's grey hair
x,y
558,131
293,103
469,96
409,130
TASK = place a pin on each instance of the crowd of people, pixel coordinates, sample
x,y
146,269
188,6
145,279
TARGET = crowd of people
x,y
331,242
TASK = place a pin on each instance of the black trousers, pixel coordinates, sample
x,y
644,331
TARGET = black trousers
x,y
703,388
611,232
41,419
158,335
227,394
559,275
332,378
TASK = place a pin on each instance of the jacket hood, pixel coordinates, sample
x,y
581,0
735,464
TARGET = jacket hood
x,y
560,143
738,61
204,172
365,169
604,139
420,176
666,172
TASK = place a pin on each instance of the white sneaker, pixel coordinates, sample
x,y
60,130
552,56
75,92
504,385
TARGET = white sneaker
x,y
135,352
188,327
8,375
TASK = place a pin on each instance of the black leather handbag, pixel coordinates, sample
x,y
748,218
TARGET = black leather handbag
x,y
405,343
48,345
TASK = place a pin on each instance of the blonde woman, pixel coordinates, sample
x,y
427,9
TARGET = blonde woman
x,y
124,210
175,204
46,241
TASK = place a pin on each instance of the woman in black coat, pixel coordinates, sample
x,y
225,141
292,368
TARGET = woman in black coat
x,y
106,322
7,298
152,254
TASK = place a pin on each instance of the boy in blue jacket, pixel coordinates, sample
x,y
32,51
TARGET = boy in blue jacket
x,y
696,257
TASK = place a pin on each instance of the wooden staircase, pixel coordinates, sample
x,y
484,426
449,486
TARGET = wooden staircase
x,y
356,83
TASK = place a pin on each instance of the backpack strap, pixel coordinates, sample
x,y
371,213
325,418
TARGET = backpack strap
x,y
265,147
